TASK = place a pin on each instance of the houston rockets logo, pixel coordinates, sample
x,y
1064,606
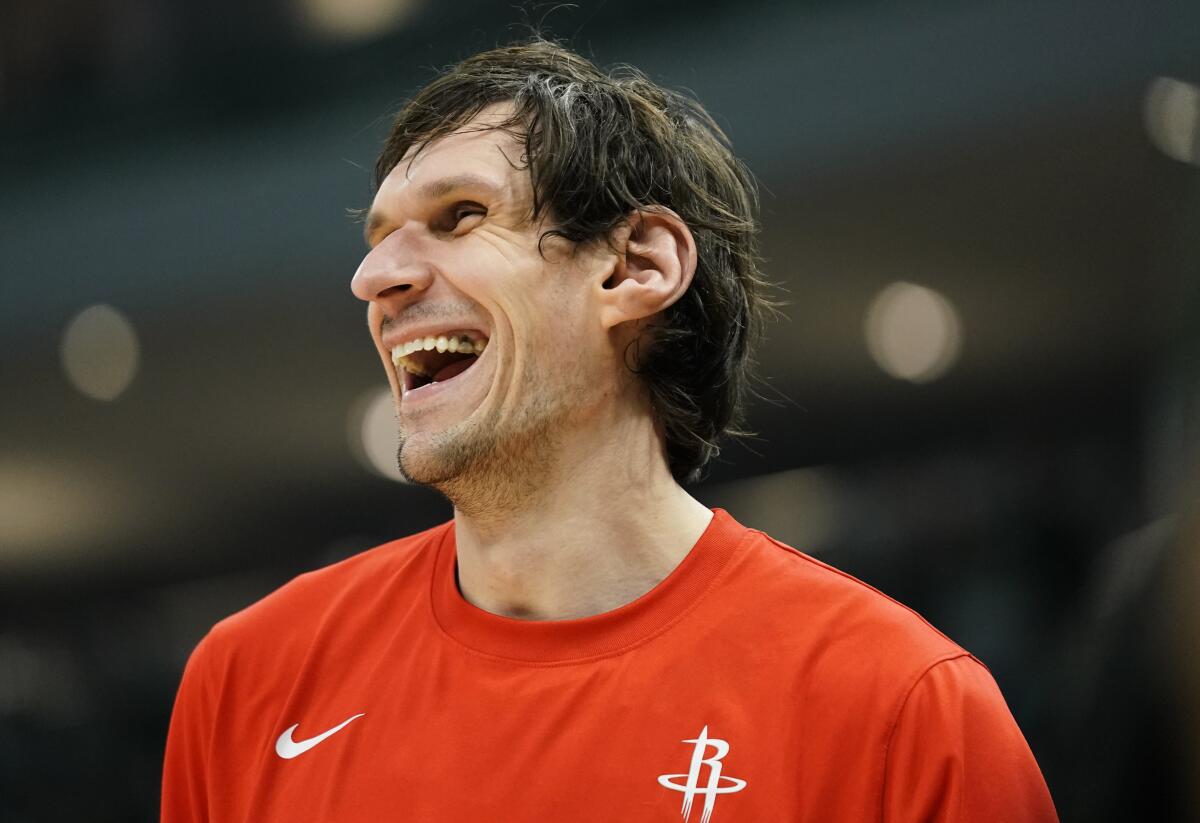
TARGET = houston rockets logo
x,y
692,787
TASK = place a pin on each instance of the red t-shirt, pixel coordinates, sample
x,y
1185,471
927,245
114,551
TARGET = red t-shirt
x,y
753,684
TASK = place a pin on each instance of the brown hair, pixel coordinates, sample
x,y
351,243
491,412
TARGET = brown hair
x,y
598,147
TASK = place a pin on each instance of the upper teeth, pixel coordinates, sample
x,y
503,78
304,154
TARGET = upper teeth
x,y
460,343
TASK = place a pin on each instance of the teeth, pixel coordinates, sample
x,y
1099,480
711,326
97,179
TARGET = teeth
x,y
460,344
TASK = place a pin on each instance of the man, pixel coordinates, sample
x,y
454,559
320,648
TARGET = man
x,y
563,288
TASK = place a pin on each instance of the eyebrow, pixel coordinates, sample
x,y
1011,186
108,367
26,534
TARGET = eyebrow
x,y
434,190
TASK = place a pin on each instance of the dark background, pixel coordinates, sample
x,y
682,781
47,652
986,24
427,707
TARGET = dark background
x,y
191,166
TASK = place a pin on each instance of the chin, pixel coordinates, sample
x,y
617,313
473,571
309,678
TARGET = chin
x,y
418,466
482,470
441,458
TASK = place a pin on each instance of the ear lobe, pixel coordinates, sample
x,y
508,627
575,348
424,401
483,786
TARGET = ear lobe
x,y
656,260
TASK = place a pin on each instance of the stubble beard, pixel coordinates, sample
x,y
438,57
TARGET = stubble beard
x,y
487,471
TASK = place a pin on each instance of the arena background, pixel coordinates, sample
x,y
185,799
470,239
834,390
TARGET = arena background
x,y
985,399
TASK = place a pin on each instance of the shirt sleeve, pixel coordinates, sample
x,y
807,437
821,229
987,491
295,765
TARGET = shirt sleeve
x,y
957,756
185,764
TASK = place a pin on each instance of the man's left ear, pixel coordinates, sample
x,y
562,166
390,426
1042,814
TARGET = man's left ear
x,y
656,260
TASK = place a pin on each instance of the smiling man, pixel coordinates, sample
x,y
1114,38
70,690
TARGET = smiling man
x,y
563,289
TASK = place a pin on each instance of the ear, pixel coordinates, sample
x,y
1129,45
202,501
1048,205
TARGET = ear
x,y
656,260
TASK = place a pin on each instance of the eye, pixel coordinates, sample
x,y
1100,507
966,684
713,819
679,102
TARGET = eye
x,y
463,216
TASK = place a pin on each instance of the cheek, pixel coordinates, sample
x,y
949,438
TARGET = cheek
x,y
374,316
575,342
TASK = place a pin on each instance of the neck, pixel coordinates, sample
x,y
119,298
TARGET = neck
x,y
605,524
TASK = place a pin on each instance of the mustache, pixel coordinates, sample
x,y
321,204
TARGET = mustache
x,y
421,312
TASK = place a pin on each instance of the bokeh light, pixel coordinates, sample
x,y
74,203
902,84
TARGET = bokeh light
x,y
100,352
801,507
353,20
373,435
913,332
1172,117
53,509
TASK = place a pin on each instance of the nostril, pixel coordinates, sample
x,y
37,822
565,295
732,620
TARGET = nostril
x,y
397,289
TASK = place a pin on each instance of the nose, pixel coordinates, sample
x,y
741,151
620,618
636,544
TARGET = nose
x,y
392,272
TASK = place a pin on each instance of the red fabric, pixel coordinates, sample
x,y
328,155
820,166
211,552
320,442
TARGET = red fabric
x,y
793,690
947,750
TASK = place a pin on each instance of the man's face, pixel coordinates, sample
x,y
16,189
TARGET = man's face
x,y
454,255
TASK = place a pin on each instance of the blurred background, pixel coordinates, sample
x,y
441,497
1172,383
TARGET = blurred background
x,y
984,400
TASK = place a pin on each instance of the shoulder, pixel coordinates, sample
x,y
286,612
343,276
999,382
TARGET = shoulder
x,y
836,628
955,718
842,604
850,655
298,608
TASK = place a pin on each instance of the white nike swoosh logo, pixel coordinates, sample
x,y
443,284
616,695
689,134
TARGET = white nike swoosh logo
x,y
287,748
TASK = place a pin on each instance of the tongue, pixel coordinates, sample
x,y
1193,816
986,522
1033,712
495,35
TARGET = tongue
x,y
454,369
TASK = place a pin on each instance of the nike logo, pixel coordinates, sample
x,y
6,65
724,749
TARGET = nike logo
x,y
287,748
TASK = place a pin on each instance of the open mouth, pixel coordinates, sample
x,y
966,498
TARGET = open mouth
x,y
428,360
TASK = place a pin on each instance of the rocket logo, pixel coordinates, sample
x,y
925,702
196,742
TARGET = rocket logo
x,y
713,786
